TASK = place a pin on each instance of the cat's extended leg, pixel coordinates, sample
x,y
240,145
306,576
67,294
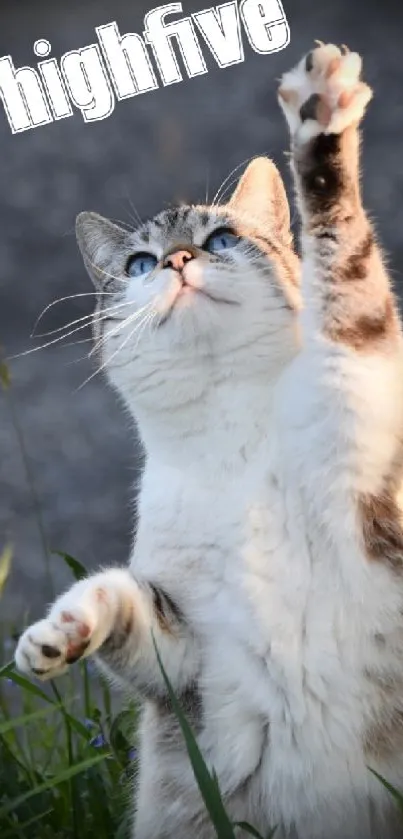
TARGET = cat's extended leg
x,y
112,615
346,289
352,352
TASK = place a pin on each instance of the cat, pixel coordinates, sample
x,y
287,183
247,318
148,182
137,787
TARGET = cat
x,y
269,554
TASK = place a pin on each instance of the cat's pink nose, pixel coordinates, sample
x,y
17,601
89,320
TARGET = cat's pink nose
x,y
178,260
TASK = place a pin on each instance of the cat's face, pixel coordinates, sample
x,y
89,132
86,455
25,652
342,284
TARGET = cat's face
x,y
194,286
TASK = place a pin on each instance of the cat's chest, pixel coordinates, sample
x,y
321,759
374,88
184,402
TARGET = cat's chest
x,y
192,530
236,556
278,628
226,552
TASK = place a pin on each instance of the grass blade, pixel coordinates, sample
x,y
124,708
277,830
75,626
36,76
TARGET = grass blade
x,y
32,488
252,830
24,825
63,776
6,669
78,570
207,783
5,378
5,565
69,743
24,683
31,688
69,719
86,689
394,792
248,829
25,719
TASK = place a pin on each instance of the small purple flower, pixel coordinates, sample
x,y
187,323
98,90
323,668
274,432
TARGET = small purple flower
x,y
89,724
132,754
98,741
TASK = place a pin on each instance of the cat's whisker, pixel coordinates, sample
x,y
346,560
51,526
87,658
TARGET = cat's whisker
x,y
108,276
47,344
91,317
129,228
80,341
116,330
82,357
217,196
62,300
206,201
136,215
225,191
149,314
142,328
133,222
50,343
119,349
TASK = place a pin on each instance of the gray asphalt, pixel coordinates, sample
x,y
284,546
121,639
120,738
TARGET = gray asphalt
x,y
173,143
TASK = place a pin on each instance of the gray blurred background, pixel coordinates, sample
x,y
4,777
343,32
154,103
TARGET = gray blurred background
x,y
79,460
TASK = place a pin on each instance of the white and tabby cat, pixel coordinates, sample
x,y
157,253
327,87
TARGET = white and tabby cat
x,y
269,555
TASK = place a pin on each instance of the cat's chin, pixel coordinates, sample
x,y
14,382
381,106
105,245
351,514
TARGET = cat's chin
x,y
190,299
187,296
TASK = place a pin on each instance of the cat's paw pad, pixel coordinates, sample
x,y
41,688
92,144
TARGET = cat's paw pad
x,y
324,94
71,630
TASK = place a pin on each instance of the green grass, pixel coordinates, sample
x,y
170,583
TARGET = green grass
x,y
67,760
68,757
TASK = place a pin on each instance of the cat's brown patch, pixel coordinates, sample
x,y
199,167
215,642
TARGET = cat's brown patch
x,y
191,703
123,630
285,259
329,178
366,330
322,175
166,611
289,96
356,266
315,108
382,529
75,652
383,736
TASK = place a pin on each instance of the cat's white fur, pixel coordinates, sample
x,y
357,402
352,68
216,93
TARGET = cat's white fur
x,y
247,520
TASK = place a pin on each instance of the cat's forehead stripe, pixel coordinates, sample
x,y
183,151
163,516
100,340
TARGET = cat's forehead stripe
x,y
179,220
186,223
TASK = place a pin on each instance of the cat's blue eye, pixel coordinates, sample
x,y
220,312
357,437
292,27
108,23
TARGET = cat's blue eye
x,y
141,264
221,240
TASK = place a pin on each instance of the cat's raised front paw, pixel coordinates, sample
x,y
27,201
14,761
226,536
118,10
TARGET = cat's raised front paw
x,y
76,626
323,94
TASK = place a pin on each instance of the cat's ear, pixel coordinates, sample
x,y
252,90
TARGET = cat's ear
x,y
99,241
260,195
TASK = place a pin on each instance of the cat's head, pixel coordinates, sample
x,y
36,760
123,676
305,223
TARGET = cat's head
x,y
197,292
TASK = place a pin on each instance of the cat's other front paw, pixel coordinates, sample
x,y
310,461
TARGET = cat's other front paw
x,y
77,625
324,94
